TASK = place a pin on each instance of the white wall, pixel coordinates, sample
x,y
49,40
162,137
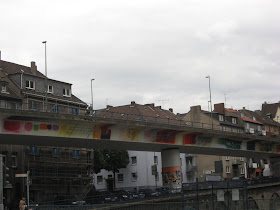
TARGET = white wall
x,y
143,168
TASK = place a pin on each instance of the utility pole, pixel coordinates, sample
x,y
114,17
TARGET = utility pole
x,y
1,183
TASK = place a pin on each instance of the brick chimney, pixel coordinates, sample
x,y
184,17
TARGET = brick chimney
x,y
151,105
132,103
220,108
33,67
171,110
196,108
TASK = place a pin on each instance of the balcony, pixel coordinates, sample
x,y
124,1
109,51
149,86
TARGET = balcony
x,y
237,162
191,168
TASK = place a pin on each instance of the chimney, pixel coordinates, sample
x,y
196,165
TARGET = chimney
x,y
151,105
171,110
158,107
196,108
220,108
33,67
132,103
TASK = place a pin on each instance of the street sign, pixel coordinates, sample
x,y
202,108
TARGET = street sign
x,y
21,175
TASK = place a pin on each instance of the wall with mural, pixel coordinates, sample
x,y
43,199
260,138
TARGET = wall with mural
x,y
116,132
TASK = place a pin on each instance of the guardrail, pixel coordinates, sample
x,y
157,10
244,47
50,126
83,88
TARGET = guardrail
x,y
106,114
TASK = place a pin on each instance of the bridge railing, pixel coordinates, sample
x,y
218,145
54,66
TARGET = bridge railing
x,y
107,114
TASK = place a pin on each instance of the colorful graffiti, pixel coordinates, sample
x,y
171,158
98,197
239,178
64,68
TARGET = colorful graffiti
x,y
171,176
230,144
124,133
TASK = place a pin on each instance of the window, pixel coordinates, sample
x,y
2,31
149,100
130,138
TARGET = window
x,y
66,92
33,151
233,120
14,161
221,117
30,84
55,109
50,89
56,152
134,177
156,160
110,176
241,170
120,177
14,105
33,105
224,128
4,88
259,128
99,179
76,154
227,169
133,160
241,158
3,104
75,111
247,125
227,157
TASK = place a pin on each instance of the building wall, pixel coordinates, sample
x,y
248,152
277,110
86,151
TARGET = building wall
x,y
143,168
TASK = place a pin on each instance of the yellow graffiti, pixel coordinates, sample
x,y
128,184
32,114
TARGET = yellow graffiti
x,y
96,133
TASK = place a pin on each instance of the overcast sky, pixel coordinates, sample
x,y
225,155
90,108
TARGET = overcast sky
x,y
151,51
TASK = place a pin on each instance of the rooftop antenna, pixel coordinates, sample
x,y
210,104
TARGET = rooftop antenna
x,y
162,101
107,100
225,99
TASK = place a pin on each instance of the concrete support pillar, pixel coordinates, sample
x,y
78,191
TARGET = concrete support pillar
x,y
275,166
171,168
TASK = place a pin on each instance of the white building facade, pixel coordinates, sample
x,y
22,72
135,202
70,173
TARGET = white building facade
x,y
143,171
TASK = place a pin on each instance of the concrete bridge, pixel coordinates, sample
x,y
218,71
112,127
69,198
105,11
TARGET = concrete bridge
x,y
25,127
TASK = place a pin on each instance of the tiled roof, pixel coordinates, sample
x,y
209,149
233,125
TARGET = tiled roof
x,y
259,117
134,111
245,118
270,108
12,68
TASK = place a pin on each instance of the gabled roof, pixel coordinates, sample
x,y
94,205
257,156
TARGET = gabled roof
x,y
12,68
134,111
237,113
261,118
270,108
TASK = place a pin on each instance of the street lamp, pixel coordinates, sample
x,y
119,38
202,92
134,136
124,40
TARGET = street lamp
x,y
45,42
208,77
45,104
91,95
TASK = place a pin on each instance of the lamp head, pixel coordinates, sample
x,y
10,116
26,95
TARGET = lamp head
x,y
44,42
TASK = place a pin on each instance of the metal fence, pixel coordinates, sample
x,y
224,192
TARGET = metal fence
x,y
107,114
257,204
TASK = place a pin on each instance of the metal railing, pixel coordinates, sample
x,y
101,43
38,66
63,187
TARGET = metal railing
x,y
107,114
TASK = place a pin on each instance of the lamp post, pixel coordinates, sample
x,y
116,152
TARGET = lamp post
x,y
208,77
45,103
45,42
91,96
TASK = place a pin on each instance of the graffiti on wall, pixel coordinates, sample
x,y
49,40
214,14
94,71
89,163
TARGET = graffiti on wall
x,y
230,144
171,176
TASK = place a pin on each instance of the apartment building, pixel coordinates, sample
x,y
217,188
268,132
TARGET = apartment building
x,y
52,171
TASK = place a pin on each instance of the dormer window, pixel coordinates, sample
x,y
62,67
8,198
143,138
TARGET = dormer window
x,y
66,92
4,89
221,117
233,120
50,89
30,84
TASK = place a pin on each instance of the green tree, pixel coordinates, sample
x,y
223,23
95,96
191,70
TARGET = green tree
x,y
99,161
115,160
